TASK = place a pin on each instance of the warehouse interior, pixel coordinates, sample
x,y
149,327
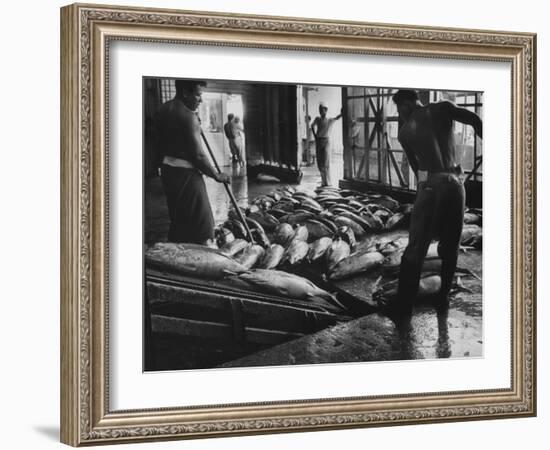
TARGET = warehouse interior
x,y
196,324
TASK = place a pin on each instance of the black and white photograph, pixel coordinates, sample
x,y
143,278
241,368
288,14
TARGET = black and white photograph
x,y
306,224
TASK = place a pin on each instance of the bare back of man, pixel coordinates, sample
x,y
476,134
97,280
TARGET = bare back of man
x,y
428,133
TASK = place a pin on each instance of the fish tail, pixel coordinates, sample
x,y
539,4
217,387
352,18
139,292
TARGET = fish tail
x,y
336,302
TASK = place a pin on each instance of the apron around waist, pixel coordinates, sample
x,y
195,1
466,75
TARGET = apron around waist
x,y
453,172
177,162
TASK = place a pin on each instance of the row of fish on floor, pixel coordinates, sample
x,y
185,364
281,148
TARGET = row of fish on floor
x,y
340,233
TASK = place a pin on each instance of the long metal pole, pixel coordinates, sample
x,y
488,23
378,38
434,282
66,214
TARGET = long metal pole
x,y
229,191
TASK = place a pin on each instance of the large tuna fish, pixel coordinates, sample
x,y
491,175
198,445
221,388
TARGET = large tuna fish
x,y
301,233
355,204
322,199
393,260
316,230
375,207
265,202
277,282
296,252
395,221
357,219
304,194
357,229
311,204
356,264
471,236
350,192
393,246
192,259
340,208
266,220
327,221
386,202
232,214
234,247
272,257
284,206
250,255
428,287
283,234
297,217
236,227
259,236
277,212
472,217
254,224
384,216
374,222
223,236
347,234
318,249
405,208
337,251
254,209
429,266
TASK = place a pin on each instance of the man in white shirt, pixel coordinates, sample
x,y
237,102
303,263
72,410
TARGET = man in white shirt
x,y
321,128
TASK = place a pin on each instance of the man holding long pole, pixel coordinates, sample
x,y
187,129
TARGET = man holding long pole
x,y
184,163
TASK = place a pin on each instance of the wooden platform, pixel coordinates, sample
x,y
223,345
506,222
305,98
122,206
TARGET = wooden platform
x,y
189,311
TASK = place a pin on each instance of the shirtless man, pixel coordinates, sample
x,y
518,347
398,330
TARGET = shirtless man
x,y
426,135
184,164
321,128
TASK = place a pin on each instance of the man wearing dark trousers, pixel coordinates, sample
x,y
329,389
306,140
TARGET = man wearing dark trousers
x,y
184,163
321,129
426,135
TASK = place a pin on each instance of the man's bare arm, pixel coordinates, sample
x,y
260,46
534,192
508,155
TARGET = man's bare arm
x,y
467,117
339,115
313,129
411,157
200,159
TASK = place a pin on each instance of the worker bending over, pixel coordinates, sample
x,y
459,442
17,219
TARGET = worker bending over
x,y
426,135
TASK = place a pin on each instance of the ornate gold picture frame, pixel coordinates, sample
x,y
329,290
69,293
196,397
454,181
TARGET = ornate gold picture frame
x,y
87,31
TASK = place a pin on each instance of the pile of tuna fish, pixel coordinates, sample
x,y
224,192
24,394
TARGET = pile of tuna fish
x,y
343,232
292,228
338,233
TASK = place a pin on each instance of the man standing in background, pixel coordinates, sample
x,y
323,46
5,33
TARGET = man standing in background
x,y
321,128
228,130
238,140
